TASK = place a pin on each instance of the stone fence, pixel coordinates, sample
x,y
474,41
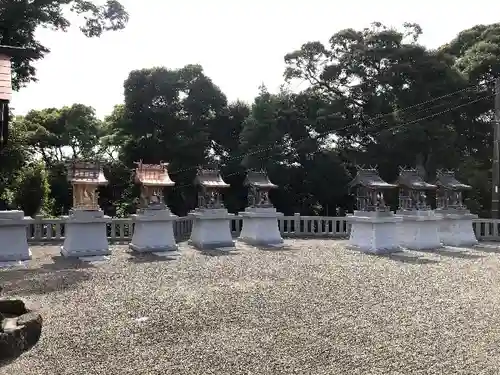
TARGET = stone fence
x,y
51,230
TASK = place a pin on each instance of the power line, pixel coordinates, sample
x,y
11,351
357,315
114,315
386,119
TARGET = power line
x,y
276,144
390,129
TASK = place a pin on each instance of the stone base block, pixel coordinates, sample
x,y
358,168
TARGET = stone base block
x,y
153,231
420,231
13,236
374,234
457,231
260,227
85,234
211,229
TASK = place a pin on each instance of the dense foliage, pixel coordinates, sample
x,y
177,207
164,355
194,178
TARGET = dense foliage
x,y
373,97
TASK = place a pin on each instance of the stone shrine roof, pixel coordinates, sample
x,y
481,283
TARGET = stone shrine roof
x,y
259,180
369,178
153,174
446,179
210,178
86,173
409,178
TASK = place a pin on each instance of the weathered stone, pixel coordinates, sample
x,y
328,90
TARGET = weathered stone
x,y
32,326
12,307
20,329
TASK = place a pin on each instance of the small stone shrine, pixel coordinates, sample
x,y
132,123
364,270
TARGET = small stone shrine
x,y
211,221
419,229
260,219
456,227
85,227
153,223
373,225
13,223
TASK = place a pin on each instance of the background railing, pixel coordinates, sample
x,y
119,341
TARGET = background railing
x,y
48,230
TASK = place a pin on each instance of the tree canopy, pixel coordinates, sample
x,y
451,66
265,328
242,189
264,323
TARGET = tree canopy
x,y
19,20
374,96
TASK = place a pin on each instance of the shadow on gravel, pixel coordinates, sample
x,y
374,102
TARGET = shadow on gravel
x,y
488,248
218,252
46,279
407,258
63,263
277,248
453,253
139,258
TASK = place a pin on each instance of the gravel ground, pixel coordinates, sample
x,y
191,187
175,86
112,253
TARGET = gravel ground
x,y
314,307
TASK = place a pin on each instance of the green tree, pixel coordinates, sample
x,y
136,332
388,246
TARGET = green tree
x,y
19,20
225,137
12,160
475,52
168,116
31,190
57,134
378,70
282,136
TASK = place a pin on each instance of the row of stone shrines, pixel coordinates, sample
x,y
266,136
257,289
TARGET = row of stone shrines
x,y
85,226
415,226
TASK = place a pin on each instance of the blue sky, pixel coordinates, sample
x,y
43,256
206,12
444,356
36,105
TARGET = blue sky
x,y
240,44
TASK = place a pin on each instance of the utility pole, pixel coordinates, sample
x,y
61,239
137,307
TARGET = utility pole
x,y
496,155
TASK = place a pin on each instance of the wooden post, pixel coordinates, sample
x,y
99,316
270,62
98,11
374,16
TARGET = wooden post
x,y
495,194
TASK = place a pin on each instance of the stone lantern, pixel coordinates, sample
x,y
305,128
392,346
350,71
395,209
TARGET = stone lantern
x,y
153,223
85,227
260,219
211,221
456,227
373,224
419,229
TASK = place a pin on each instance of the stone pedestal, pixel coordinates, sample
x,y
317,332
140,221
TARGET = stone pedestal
x,y
153,231
14,236
260,226
85,234
456,228
374,232
419,230
211,228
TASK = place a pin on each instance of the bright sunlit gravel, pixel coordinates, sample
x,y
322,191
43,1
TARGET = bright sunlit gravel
x,y
314,307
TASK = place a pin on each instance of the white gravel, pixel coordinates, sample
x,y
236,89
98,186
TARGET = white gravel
x,y
312,308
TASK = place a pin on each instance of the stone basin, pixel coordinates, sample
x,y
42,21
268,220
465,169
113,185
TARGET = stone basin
x,y
20,329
